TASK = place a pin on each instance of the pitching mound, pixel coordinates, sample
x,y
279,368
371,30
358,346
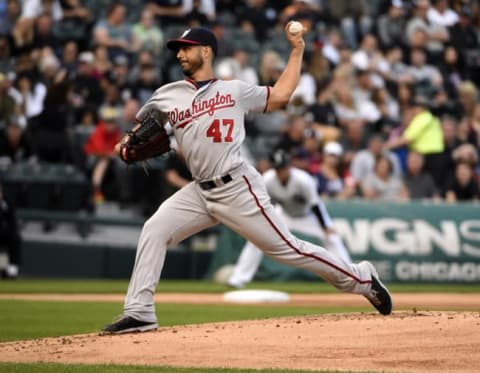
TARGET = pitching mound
x,y
403,342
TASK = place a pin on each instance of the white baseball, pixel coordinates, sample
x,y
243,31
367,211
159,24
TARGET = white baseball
x,y
295,27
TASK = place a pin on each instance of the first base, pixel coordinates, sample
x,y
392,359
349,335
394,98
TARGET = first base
x,y
256,296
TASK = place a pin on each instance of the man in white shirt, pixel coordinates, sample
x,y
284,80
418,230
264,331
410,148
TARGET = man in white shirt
x,y
440,14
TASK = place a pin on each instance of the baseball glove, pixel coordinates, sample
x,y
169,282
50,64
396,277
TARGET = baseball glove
x,y
148,140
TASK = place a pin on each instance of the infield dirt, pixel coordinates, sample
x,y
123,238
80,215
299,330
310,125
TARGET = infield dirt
x,y
407,341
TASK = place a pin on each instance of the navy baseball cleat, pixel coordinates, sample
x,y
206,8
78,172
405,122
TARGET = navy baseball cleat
x,y
379,296
127,324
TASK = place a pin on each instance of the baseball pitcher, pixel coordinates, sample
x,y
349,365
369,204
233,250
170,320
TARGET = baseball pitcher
x,y
207,117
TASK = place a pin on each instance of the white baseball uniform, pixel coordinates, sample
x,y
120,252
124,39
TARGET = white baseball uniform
x,y
208,124
294,202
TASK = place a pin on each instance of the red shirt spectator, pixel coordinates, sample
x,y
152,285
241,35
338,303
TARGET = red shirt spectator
x,y
103,139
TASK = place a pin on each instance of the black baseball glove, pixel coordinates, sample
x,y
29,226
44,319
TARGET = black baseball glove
x,y
148,140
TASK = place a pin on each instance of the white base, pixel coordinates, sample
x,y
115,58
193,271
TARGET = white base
x,y
256,296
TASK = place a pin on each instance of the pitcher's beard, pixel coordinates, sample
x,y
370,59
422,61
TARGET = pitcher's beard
x,y
192,67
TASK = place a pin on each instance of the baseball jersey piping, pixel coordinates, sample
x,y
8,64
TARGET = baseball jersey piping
x,y
293,247
266,101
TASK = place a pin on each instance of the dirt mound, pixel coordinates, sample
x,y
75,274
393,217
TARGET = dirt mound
x,y
402,342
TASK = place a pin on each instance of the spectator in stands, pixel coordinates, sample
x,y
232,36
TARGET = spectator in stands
x,y
305,93
146,84
391,26
146,35
22,37
70,58
144,58
353,139
48,65
419,184
31,9
10,16
246,72
10,238
475,122
199,12
463,187
86,89
14,144
33,95
463,35
100,147
332,180
332,45
6,61
369,58
350,108
436,34
177,174
363,162
294,135
388,109
43,35
354,19
452,69
323,112
271,66
466,153
102,64
425,77
224,41
169,12
382,184
76,22
440,14
468,96
258,16
8,104
119,75
362,91
113,32
50,137
424,135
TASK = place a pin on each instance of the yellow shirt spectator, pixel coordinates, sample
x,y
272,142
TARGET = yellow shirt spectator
x,y
424,134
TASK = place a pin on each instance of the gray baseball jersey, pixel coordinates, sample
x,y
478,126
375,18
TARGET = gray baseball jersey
x,y
208,122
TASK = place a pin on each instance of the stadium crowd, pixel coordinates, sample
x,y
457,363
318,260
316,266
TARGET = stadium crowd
x,y
387,107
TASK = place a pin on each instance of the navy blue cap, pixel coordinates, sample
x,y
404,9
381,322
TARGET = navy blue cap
x,y
280,159
194,36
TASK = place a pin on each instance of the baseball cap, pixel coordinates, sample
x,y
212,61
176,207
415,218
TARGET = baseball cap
x,y
121,60
194,36
333,148
397,3
280,158
466,11
86,57
109,113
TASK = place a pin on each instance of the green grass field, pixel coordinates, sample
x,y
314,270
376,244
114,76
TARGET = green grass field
x,y
20,319
32,286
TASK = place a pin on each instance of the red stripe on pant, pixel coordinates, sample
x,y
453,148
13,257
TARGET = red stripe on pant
x,y
293,247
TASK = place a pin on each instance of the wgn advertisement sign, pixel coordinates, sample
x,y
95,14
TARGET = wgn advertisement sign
x,y
413,242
